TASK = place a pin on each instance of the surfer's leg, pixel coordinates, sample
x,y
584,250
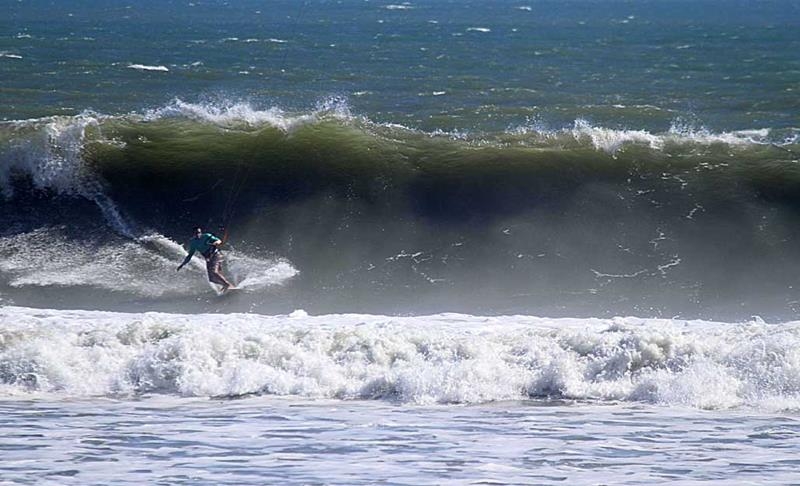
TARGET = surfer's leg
x,y
213,265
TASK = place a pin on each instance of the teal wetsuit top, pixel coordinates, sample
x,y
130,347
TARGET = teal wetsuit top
x,y
203,243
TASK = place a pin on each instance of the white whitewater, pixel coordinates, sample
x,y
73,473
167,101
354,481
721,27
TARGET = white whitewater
x,y
445,359
93,397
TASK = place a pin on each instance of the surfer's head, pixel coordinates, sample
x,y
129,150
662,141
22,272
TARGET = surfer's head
x,y
198,231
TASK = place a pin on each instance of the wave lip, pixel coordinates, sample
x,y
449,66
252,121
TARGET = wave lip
x,y
445,358
613,140
234,114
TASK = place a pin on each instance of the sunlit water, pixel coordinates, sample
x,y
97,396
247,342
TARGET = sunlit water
x,y
653,143
274,440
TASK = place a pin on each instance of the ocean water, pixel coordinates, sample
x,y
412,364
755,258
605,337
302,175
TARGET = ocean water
x,y
94,397
478,242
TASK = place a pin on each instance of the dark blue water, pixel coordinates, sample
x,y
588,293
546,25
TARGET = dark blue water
x,y
475,65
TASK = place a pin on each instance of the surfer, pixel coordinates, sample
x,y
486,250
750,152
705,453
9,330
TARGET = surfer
x,y
208,246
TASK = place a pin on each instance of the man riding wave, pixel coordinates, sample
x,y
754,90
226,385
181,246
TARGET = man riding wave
x,y
208,245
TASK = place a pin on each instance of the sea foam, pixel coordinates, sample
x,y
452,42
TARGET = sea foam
x,y
144,67
236,113
445,358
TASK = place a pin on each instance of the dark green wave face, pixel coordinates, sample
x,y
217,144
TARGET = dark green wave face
x,y
338,213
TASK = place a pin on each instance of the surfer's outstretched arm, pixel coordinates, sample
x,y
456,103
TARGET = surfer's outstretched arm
x,y
187,259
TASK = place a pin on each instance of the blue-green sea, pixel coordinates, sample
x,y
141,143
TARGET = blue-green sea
x,y
476,242
433,65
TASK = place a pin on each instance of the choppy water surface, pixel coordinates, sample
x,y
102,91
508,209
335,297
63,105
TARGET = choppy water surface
x,y
437,211
270,440
94,398
467,64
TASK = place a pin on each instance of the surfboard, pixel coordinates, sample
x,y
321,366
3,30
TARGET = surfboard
x,y
221,293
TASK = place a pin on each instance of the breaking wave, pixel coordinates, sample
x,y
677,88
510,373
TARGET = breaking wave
x,y
445,359
376,217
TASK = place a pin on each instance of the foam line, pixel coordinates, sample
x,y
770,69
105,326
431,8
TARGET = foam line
x,y
444,358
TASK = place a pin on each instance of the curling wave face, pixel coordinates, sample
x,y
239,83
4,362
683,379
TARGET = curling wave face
x,y
446,358
582,220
